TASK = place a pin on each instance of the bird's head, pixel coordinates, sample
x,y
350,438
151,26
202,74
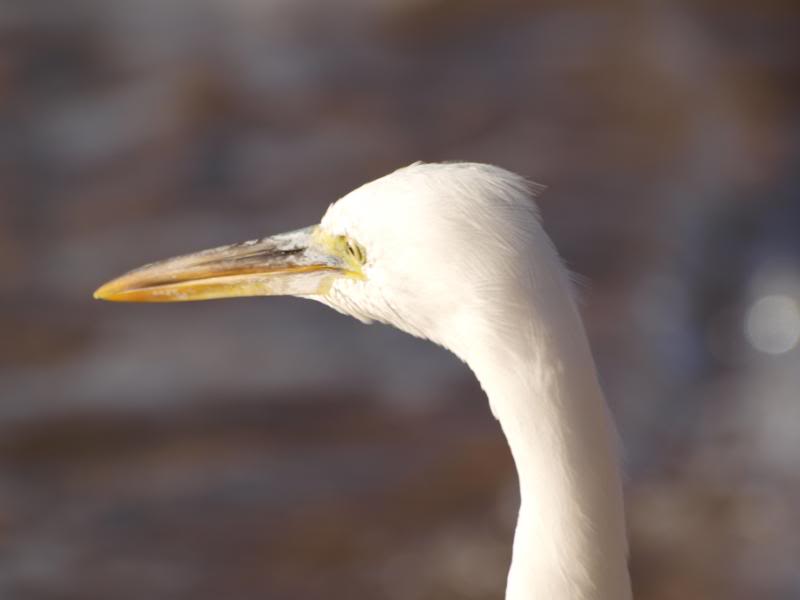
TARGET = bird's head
x,y
411,249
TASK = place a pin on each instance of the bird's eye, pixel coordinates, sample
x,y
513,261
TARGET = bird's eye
x,y
356,251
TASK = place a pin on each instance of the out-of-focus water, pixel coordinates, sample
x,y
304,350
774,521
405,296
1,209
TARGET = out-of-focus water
x,y
274,449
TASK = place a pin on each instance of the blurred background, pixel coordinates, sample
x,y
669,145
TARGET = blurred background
x,y
275,449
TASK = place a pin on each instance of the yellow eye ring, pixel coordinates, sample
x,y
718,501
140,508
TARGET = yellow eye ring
x,y
356,251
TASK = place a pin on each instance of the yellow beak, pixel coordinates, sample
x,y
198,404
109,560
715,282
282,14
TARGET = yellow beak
x,y
298,263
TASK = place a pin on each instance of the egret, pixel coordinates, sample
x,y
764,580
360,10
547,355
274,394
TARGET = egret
x,y
455,253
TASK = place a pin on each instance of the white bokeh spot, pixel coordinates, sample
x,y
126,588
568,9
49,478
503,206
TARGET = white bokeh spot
x,y
772,324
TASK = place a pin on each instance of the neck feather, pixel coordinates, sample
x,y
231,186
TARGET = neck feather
x,y
539,375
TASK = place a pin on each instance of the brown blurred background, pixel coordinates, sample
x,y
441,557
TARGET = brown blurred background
x,y
273,449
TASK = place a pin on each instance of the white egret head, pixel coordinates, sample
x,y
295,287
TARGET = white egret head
x,y
412,249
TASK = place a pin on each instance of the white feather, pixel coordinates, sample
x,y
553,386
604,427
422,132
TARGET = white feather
x,y
456,254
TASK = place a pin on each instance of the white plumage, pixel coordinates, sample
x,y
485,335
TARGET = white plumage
x,y
455,253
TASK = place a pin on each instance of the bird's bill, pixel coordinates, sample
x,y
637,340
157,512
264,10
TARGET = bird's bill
x,y
299,263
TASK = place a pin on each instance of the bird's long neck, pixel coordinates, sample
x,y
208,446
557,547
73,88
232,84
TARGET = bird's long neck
x,y
539,375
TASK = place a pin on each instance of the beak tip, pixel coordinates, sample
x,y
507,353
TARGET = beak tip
x,y
104,292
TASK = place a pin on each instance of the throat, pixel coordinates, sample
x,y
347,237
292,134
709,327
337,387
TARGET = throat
x,y
570,541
